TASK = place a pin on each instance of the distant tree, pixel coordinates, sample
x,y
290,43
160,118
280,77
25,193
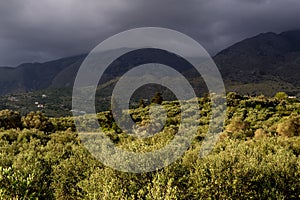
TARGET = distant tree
x,y
142,103
233,99
239,129
116,128
10,119
158,99
37,120
290,126
281,96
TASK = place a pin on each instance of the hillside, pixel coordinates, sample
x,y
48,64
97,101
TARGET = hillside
x,y
33,76
264,64
265,60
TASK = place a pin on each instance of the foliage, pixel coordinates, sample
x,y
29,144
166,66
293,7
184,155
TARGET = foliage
x,y
257,169
256,157
38,121
281,95
158,99
10,119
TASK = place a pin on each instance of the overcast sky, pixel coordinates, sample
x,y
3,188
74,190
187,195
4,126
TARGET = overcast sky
x,y
42,30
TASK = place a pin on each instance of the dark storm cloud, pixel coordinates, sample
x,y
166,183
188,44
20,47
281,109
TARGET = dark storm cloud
x,y
33,30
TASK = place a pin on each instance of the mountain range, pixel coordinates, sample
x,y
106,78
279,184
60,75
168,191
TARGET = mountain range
x,y
263,64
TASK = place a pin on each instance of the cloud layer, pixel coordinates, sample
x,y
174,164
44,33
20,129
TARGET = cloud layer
x,y
33,30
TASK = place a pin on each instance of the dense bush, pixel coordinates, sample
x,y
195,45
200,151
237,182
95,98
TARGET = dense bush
x,y
38,121
256,157
255,169
10,119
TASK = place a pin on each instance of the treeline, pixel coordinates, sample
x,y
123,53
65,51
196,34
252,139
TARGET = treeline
x,y
256,157
34,120
247,116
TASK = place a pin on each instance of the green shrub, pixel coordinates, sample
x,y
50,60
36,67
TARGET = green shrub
x,y
247,170
10,119
37,120
290,126
46,159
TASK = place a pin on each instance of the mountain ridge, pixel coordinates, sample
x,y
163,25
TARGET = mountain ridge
x,y
263,58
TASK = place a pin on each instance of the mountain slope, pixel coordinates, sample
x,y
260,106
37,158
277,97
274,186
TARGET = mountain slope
x,y
266,63
265,57
33,76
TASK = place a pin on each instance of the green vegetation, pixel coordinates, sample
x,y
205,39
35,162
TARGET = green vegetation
x,y
256,157
158,99
53,102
